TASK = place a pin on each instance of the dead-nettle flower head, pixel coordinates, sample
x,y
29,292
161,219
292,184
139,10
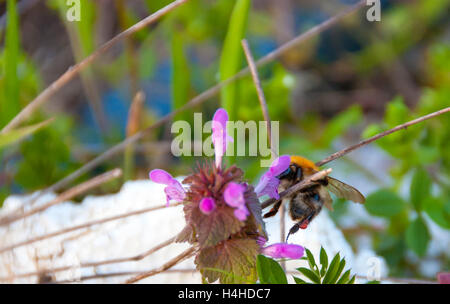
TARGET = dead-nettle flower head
x,y
223,214
174,190
268,184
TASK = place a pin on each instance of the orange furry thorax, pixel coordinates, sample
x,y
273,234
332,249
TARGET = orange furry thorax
x,y
303,162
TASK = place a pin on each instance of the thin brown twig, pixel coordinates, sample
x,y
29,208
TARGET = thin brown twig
x,y
75,70
297,187
120,274
283,229
380,135
179,258
401,280
67,195
82,226
93,264
132,258
259,90
206,95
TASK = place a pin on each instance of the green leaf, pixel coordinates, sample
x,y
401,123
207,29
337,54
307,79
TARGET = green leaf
x,y
180,74
269,271
384,203
338,272
420,188
396,112
299,281
345,277
17,134
417,237
11,106
323,261
232,54
332,270
234,256
312,261
352,280
309,274
435,208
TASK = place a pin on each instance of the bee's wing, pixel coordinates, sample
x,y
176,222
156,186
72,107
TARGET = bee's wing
x,y
342,190
327,200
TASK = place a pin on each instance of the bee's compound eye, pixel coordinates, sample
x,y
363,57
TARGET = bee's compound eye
x,y
285,173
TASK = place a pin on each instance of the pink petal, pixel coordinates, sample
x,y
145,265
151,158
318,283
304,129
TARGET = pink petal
x,y
268,186
443,277
220,138
161,177
175,192
221,116
241,213
280,165
261,241
234,194
207,205
284,250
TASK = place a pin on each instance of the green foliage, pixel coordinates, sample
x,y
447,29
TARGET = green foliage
x,y
340,124
417,236
269,271
180,74
9,104
36,169
420,189
421,159
15,135
276,86
384,203
19,80
327,274
439,211
232,54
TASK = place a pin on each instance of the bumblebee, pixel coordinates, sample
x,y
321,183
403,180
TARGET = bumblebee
x,y
304,205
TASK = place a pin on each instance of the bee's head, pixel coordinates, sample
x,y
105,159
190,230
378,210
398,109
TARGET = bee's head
x,y
298,165
303,163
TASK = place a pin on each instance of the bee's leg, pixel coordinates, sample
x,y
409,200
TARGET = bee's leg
x,y
274,210
293,230
304,224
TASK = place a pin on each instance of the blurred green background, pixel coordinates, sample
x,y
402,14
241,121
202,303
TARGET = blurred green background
x,y
352,81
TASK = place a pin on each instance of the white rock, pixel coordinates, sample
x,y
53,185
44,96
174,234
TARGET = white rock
x,y
134,235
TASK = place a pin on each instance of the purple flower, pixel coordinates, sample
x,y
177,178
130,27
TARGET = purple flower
x,y
207,205
268,184
443,277
261,241
283,250
241,213
234,194
174,190
234,197
220,138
